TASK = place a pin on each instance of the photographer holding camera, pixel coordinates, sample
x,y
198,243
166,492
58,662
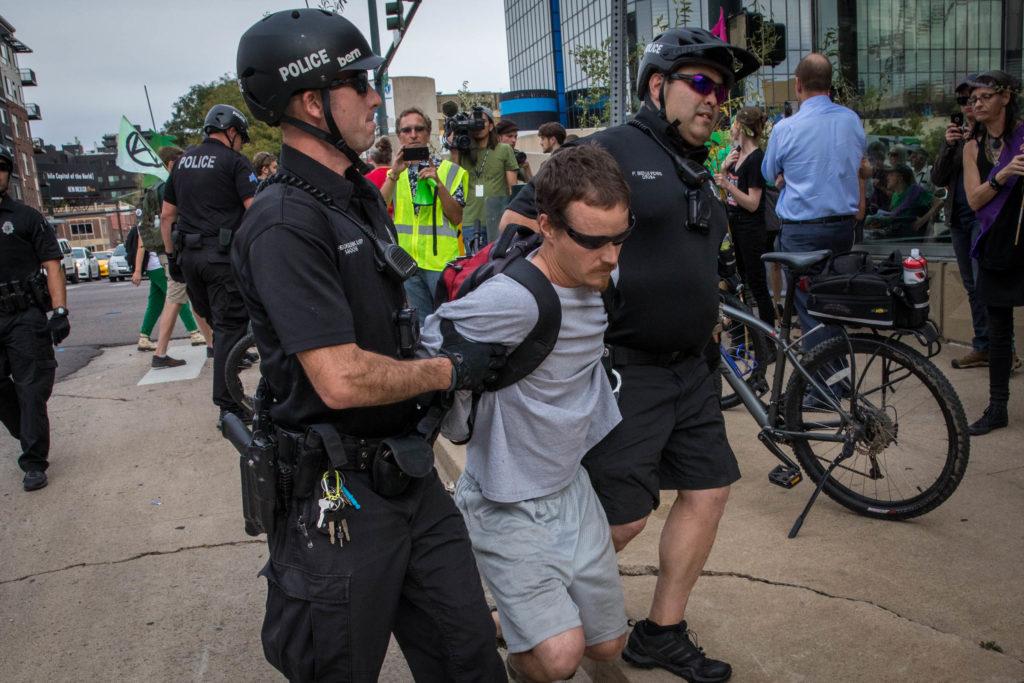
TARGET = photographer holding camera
x,y
428,196
492,169
508,132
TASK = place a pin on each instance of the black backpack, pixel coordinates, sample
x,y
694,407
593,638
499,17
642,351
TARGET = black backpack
x,y
131,246
507,256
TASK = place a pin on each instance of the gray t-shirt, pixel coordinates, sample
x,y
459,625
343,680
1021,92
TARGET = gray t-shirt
x,y
529,438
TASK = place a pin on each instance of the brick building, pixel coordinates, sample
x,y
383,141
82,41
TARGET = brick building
x,y
99,226
15,115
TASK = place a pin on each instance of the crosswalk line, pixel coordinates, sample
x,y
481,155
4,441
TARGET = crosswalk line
x,y
194,357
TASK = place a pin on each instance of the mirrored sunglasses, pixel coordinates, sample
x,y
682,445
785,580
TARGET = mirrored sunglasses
x,y
704,85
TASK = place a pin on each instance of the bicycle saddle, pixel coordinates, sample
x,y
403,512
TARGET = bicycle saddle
x,y
798,262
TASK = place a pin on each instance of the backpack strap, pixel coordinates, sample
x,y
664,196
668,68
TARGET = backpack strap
x,y
528,356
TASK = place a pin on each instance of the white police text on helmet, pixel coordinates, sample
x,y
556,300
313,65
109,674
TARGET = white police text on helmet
x,y
315,60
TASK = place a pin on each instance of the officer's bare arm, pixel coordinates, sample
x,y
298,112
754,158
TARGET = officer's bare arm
x,y
247,202
168,214
511,216
346,376
55,283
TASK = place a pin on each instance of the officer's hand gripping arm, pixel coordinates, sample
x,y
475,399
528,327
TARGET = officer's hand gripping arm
x,y
474,364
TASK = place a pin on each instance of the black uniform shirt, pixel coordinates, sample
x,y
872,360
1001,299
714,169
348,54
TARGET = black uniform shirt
x,y
26,240
668,275
309,280
208,186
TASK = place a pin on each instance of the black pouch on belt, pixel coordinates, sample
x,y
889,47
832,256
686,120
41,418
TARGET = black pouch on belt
x,y
193,240
224,240
399,460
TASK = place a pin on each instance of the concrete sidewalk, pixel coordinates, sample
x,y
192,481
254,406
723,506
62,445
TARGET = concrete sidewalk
x,y
133,565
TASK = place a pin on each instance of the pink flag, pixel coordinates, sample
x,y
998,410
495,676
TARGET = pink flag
x,y
719,29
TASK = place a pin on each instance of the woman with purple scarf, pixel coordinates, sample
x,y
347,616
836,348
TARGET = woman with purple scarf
x,y
993,166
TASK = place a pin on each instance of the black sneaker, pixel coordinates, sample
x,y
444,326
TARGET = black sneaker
x,y
994,417
166,362
209,352
673,651
34,480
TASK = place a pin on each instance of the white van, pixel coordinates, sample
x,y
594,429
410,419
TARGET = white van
x,y
67,261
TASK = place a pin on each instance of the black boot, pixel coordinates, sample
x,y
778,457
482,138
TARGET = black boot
x,y
994,417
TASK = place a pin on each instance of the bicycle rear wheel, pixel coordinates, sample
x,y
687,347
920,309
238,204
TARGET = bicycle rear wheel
x,y
912,447
745,351
241,374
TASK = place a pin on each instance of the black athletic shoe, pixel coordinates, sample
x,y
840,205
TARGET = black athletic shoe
x,y
994,417
34,480
673,651
209,352
166,362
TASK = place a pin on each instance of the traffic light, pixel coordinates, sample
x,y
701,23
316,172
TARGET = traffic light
x,y
393,10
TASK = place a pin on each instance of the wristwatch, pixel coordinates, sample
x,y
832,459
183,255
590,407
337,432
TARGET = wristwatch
x,y
60,310
994,184
392,178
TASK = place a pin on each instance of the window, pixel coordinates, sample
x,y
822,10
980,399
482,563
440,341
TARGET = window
x,y
81,229
5,53
3,116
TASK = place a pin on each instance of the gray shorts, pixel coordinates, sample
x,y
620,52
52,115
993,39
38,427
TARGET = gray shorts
x,y
176,292
549,562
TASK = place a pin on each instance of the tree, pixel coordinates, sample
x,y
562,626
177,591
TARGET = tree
x,y
190,109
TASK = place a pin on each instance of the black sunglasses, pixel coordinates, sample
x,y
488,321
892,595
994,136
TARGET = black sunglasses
x,y
962,100
4,166
598,241
360,82
704,85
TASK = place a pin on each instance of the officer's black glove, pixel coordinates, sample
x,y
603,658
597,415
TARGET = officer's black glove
x,y
174,270
59,327
474,364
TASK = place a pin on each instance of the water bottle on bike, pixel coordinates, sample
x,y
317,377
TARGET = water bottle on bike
x,y
915,268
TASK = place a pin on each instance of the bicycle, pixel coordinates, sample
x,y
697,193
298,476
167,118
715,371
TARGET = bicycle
x,y
241,384
744,348
854,394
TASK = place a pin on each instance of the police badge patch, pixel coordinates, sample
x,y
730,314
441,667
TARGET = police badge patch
x,y
8,228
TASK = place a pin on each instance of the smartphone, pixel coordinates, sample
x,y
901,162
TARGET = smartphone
x,y
416,153
958,119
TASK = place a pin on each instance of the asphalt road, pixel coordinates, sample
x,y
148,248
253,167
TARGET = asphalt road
x,y
103,313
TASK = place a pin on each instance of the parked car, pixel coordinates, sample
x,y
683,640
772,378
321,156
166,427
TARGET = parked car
x,y
117,265
101,258
86,265
67,261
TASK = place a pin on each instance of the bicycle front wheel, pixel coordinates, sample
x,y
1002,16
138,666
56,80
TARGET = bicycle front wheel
x,y
912,444
744,352
241,372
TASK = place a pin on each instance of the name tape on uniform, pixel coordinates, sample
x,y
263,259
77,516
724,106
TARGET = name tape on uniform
x,y
315,60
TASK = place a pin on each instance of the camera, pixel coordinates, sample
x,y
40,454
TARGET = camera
x,y
958,119
460,125
520,157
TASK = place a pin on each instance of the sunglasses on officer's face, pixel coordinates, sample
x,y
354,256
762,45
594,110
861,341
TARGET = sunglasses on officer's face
x,y
704,85
360,82
597,241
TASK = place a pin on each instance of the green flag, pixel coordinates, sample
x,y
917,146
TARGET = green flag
x,y
134,153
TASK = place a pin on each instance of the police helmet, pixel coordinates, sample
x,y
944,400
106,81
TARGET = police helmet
x,y
224,116
7,155
294,50
678,46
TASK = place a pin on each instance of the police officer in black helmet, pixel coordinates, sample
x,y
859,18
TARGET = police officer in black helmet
x,y
210,188
317,265
27,365
661,319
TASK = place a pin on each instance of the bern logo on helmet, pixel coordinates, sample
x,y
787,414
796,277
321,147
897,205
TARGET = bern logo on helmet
x,y
304,65
352,56
654,47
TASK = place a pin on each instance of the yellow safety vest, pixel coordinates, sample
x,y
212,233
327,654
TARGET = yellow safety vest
x,y
427,235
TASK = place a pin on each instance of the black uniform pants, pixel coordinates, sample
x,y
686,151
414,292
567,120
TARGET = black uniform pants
x,y
27,369
408,569
214,295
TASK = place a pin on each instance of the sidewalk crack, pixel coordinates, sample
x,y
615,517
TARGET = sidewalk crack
x,y
98,398
151,553
651,570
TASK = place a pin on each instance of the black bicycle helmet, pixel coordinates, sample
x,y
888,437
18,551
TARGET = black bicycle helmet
x,y
224,116
295,50
678,46
7,155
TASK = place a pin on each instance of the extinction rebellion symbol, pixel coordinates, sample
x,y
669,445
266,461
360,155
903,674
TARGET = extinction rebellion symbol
x,y
140,152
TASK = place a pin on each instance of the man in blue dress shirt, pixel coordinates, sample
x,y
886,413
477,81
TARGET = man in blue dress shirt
x,y
814,156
